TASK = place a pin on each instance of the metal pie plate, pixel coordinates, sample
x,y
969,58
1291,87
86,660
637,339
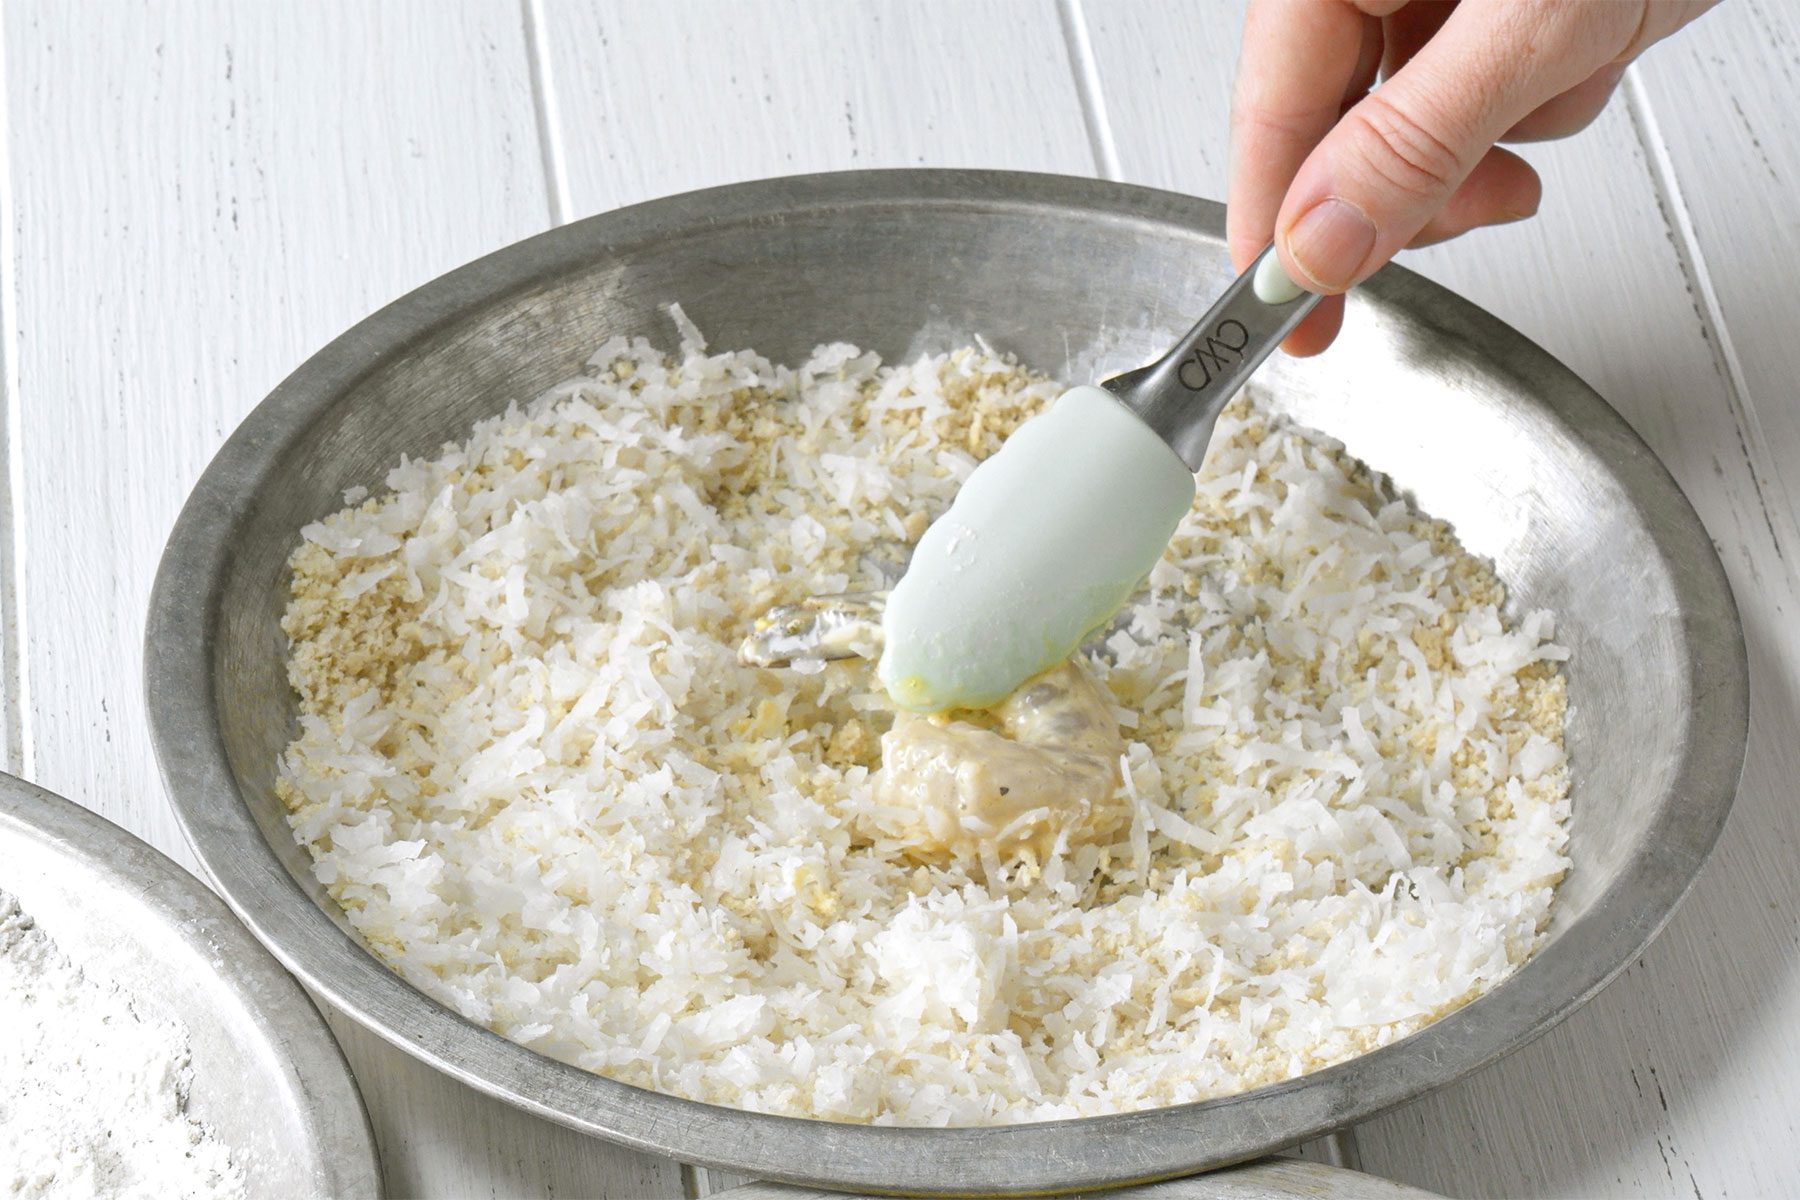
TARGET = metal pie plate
x,y
268,1078
1080,278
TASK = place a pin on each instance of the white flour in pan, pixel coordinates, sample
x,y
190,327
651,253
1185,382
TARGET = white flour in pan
x,y
93,1088
533,773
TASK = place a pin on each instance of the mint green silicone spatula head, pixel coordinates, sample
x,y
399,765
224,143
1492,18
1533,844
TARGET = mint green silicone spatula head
x,y
1049,537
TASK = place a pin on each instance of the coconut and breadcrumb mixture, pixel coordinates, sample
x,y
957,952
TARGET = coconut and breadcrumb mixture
x,y
533,772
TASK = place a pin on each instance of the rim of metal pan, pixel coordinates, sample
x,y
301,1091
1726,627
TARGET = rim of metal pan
x,y
1269,1179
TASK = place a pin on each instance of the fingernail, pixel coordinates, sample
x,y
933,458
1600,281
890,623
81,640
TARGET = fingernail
x,y
1329,243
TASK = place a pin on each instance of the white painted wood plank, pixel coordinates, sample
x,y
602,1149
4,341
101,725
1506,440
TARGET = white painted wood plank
x,y
202,195
651,100
663,98
440,1139
1721,99
708,1182
1681,1077
656,99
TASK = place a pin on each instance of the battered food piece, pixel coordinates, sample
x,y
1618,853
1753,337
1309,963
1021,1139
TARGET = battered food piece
x,y
817,629
1049,773
1036,773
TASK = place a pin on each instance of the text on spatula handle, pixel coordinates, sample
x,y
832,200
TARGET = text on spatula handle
x,y
1223,345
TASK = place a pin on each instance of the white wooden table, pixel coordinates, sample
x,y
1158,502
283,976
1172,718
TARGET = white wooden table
x,y
197,195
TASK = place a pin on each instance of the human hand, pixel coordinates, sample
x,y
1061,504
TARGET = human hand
x,y
1342,178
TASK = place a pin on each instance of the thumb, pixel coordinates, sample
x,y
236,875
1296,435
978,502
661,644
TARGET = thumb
x,y
1396,157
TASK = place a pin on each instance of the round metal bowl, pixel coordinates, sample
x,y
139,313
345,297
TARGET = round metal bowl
x,y
267,1076
1078,277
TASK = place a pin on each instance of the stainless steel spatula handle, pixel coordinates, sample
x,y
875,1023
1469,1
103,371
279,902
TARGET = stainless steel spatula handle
x,y
1180,394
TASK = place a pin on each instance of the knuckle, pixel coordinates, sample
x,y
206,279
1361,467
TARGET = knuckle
x,y
1293,122
1403,150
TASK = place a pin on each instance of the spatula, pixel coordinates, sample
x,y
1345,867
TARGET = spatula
x,y
1048,538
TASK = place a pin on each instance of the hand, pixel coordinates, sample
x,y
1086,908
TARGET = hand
x,y
1342,178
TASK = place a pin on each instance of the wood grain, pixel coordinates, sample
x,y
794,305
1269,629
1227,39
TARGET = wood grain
x,y
1641,1093
202,195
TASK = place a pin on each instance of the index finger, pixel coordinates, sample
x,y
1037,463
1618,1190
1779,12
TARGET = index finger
x,y
1298,63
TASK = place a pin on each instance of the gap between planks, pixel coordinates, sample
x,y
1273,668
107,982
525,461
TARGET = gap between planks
x,y
1686,242
1073,18
15,704
544,109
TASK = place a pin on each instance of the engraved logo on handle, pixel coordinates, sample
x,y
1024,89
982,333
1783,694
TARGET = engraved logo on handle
x,y
1223,345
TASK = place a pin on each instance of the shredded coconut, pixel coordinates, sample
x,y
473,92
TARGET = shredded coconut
x,y
533,773
93,1088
